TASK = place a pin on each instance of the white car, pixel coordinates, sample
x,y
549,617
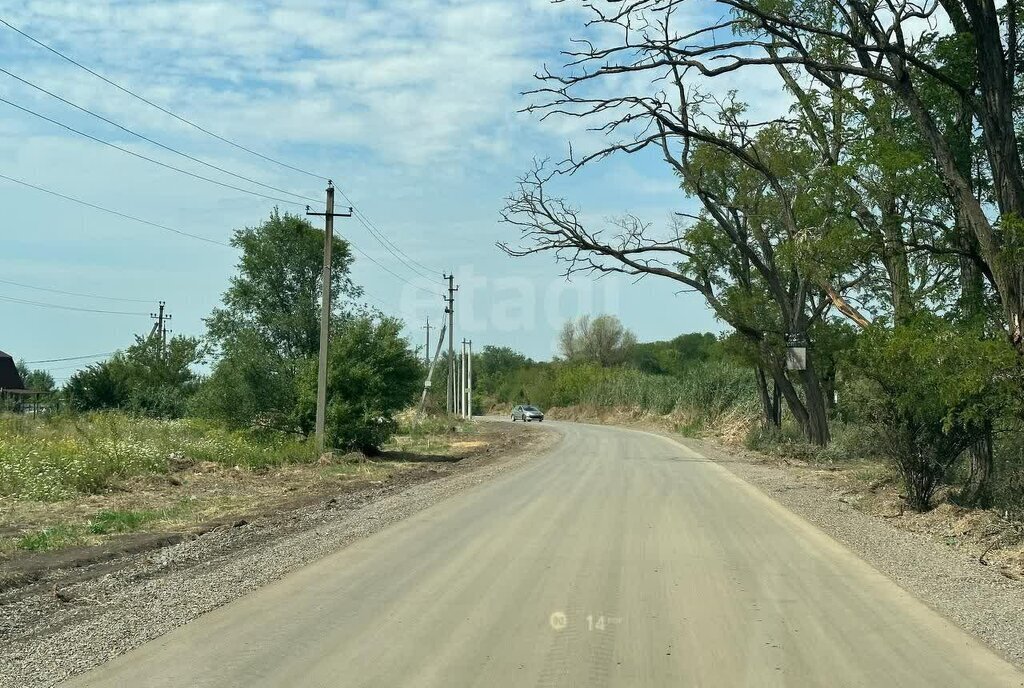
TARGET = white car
x,y
526,413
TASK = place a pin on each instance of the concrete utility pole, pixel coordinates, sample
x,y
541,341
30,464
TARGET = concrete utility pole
x,y
469,382
430,370
325,312
450,310
426,351
160,327
467,411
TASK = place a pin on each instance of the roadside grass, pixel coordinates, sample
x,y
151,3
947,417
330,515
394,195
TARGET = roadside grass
x,y
67,481
118,521
57,457
54,537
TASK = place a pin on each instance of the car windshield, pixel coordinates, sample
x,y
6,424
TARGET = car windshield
x,y
531,408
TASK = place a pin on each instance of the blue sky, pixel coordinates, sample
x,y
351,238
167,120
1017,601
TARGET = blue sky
x,y
409,107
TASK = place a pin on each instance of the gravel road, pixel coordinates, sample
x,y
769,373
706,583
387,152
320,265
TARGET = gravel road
x,y
620,558
45,638
976,597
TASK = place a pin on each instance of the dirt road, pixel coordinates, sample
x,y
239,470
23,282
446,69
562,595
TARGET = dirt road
x,y
619,559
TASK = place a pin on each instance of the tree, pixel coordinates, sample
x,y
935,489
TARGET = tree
x,y
276,293
602,340
268,327
843,47
35,379
147,377
373,373
96,387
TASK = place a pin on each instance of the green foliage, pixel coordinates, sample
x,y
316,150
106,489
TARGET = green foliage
x,y
118,521
57,537
58,456
267,333
372,375
252,385
34,379
147,378
276,293
930,388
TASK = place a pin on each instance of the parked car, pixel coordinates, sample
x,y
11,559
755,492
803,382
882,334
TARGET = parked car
x,y
526,413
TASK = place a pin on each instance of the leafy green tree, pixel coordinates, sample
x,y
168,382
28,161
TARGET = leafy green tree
x,y
268,327
146,378
159,379
251,385
373,373
35,379
930,389
98,386
276,293
493,365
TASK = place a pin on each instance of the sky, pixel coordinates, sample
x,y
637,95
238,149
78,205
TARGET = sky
x,y
411,108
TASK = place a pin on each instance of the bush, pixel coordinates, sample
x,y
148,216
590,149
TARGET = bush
x,y
372,375
930,389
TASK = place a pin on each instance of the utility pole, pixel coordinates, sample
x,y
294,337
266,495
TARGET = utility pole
x,y
469,382
464,392
450,310
160,327
426,351
325,312
430,368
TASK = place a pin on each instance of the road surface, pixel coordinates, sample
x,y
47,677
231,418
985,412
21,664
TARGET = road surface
x,y
619,559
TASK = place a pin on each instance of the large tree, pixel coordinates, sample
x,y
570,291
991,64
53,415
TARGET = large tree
x,y
275,294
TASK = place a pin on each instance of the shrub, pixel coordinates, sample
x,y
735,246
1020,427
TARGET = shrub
x,y
930,389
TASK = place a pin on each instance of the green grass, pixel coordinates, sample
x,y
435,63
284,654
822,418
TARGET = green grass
x,y
56,537
106,522
57,457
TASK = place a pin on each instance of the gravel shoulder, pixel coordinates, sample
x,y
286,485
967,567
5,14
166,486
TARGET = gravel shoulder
x,y
953,582
73,619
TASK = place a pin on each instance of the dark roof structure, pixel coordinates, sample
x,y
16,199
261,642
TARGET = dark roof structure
x,y
10,378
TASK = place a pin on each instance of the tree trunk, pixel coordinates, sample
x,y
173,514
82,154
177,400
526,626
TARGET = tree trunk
x,y
810,417
817,430
978,490
770,408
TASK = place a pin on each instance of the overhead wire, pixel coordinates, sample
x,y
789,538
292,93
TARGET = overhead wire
x,y
43,304
378,234
364,219
147,158
178,117
72,358
155,142
75,293
114,212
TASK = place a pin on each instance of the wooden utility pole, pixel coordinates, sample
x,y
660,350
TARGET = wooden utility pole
x,y
450,310
426,351
325,312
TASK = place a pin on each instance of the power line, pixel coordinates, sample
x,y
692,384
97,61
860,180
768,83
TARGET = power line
x,y
72,358
75,293
66,308
155,143
391,272
158,107
382,237
113,212
147,158
364,219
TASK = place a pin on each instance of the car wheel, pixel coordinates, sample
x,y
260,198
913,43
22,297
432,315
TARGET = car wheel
x,y
513,418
